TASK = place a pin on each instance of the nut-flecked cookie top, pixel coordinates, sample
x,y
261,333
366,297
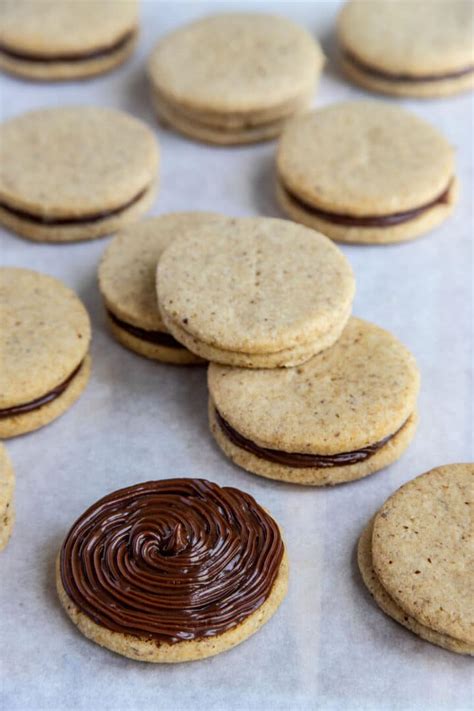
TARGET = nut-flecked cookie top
x,y
44,337
234,78
423,550
254,287
70,171
420,47
7,485
127,272
351,395
366,171
53,39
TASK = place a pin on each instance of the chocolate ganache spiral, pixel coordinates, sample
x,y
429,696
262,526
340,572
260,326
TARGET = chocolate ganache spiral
x,y
171,560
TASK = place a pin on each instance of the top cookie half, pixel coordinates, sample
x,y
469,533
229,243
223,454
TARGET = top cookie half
x,y
255,292
419,48
58,39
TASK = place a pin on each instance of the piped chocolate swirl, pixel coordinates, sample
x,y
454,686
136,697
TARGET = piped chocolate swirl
x,y
171,560
300,460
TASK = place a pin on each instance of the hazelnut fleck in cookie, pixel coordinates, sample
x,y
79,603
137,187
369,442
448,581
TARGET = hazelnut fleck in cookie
x,y
56,40
418,48
75,173
44,342
173,570
345,413
127,280
254,292
367,172
417,557
7,485
235,77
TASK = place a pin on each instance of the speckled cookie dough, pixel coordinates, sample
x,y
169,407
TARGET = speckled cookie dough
x,y
127,281
54,40
255,292
366,172
44,346
50,191
7,485
234,78
347,412
417,557
419,48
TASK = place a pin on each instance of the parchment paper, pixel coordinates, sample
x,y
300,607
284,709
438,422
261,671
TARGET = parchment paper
x,y
328,647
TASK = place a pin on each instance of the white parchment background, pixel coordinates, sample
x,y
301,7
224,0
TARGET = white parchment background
x,y
328,647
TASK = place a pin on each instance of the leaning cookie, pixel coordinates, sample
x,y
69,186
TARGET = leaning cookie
x,y
127,281
416,560
366,172
75,173
222,552
254,292
7,485
418,48
54,40
234,78
44,343
346,413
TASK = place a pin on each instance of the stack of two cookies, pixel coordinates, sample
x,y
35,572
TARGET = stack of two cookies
x,y
299,390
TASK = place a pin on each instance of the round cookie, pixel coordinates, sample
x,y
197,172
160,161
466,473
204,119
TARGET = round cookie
x,y
427,52
50,191
7,485
45,350
390,607
423,550
127,281
365,172
255,292
346,413
222,551
235,77
55,40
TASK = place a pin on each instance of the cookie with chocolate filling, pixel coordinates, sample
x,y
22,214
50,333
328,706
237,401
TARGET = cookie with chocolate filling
x,y
75,173
7,485
173,570
254,292
416,557
344,414
44,344
56,40
234,78
127,281
367,172
418,48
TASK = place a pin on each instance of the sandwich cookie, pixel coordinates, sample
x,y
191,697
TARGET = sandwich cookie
x,y
419,48
254,292
416,557
55,40
75,173
234,78
7,485
127,281
364,171
173,570
44,346
344,414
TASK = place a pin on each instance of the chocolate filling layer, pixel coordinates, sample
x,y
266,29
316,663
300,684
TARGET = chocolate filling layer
x,y
40,401
380,74
300,460
68,221
369,220
68,56
171,560
159,338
